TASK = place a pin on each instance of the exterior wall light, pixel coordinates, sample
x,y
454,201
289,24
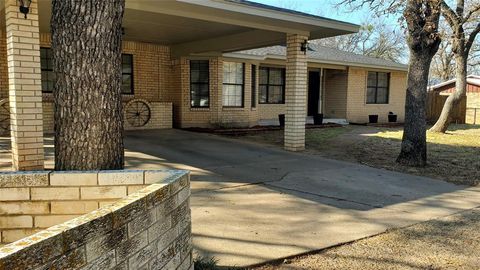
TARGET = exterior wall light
x,y
304,46
24,6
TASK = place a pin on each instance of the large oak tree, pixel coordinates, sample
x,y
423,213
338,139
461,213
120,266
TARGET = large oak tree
x,y
86,44
421,19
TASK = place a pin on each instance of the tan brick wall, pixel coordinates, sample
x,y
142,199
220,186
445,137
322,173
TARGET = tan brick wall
x,y
358,110
160,79
24,84
270,111
295,93
148,229
3,66
153,81
216,115
335,105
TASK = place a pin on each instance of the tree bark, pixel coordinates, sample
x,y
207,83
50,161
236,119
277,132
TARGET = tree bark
x,y
414,142
422,18
454,99
86,46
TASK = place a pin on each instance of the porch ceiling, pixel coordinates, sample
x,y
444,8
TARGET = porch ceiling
x,y
192,26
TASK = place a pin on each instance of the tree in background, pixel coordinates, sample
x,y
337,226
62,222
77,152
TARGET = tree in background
x,y
86,44
461,42
375,39
421,18
443,64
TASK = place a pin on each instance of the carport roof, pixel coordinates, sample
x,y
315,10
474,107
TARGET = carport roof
x,y
205,26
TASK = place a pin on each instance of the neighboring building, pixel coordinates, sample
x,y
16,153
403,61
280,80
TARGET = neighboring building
x,y
468,112
191,63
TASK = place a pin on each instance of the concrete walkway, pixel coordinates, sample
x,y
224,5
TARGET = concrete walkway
x,y
251,203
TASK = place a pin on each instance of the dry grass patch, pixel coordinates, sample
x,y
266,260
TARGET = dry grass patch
x,y
453,157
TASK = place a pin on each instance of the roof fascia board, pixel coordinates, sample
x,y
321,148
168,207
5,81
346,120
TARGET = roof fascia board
x,y
276,14
168,7
452,81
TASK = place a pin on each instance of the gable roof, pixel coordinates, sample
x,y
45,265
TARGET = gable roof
x,y
471,79
322,54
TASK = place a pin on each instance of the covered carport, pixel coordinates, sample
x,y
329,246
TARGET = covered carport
x,y
188,27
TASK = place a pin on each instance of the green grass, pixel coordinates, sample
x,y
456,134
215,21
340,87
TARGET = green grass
x,y
210,263
320,136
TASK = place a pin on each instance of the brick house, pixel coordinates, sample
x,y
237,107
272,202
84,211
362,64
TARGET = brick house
x,y
190,63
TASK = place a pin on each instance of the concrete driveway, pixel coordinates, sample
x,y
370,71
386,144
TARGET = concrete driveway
x,y
252,203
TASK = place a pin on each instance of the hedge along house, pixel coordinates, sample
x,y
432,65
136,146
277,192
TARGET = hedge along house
x,y
189,63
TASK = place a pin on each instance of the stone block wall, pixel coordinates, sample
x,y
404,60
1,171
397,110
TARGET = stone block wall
x,y
130,219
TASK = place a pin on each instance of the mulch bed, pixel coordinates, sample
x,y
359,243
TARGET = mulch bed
x,y
252,130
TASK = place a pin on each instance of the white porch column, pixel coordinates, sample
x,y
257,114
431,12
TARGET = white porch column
x,y
296,93
25,94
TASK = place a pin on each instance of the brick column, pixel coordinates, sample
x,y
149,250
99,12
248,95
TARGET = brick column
x,y
25,94
296,93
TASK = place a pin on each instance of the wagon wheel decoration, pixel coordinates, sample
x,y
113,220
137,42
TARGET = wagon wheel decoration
x,y
137,113
4,116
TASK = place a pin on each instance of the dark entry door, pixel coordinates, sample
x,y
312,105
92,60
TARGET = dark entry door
x,y
313,92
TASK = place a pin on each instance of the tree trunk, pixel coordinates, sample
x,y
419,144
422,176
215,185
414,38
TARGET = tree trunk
x,y
422,18
86,44
454,99
414,142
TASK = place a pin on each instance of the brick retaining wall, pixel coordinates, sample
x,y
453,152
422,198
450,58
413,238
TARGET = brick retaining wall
x,y
150,227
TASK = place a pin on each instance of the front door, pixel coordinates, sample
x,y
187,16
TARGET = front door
x,y
313,92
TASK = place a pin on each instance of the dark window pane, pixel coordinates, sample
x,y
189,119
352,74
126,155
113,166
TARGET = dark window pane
x,y
275,94
263,76
199,83
371,95
382,79
46,64
262,94
372,79
276,76
382,95
254,86
127,74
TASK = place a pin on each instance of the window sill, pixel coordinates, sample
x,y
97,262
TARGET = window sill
x,y
233,108
199,109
